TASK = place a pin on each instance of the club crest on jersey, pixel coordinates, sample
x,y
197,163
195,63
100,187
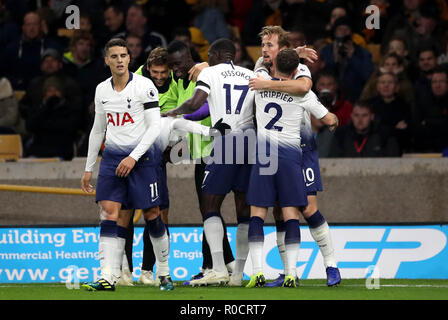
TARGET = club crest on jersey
x,y
151,93
116,119
129,103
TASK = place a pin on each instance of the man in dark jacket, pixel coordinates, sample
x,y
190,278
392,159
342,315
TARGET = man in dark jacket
x,y
363,137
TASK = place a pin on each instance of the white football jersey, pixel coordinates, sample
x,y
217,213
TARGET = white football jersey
x,y
124,110
229,96
280,115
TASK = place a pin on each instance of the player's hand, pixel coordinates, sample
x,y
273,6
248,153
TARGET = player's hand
x,y
258,83
171,113
308,54
125,167
221,127
85,182
195,70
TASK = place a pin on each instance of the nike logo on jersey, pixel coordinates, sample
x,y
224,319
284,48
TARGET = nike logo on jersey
x,y
104,101
308,184
154,199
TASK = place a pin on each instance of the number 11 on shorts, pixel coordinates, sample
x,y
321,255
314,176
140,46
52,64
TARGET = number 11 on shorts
x,y
154,191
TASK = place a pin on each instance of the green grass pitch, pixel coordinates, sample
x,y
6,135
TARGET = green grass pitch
x,y
349,289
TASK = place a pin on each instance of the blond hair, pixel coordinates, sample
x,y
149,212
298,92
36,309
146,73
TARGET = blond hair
x,y
282,35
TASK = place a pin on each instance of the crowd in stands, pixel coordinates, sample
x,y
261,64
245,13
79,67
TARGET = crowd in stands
x,y
387,85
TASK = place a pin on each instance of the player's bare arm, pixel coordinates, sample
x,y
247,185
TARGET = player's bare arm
x,y
195,70
294,87
189,106
330,120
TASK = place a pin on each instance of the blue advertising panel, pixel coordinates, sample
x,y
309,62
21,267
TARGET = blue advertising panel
x,y
30,254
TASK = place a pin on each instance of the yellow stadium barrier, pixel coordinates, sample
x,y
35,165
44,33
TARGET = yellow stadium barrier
x,y
55,190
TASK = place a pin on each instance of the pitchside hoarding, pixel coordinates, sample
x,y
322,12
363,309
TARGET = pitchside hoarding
x,y
58,254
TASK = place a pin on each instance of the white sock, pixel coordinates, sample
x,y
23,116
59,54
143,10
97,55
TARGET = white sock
x,y
322,236
107,250
256,254
118,258
231,266
281,248
214,232
292,255
242,248
161,249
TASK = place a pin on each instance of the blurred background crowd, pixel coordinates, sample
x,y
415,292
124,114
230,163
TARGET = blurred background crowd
x,y
387,85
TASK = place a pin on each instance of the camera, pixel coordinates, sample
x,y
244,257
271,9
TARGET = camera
x,y
326,98
340,44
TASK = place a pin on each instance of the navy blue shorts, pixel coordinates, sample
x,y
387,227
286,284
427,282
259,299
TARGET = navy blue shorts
x,y
229,165
286,186
311,171
139,190
163,188
223,178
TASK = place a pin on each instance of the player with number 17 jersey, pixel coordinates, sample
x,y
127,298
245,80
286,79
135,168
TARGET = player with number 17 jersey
x,y
229,98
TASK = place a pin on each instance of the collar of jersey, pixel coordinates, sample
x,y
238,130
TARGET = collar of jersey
x,y
129,80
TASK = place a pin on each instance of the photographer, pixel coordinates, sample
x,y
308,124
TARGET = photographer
x,y
352,63
52,124
328,92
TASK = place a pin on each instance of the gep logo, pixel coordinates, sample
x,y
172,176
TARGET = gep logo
x,y
411,252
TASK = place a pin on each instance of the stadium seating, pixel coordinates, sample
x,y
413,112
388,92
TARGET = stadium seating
x,y
375,51
10,147
254,52
19,94
62,32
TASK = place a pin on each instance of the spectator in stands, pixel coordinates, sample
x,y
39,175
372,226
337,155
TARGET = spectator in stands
x,y
53,124
242,58
427,62
21,57
86,69
183,34
296,37
391,110
138,58
399,46
363,137
211,21
51,66
341,12
9,29
327,90
114,20
443,57
9,109
416,22
431,134
137,23
352,63
394,64
256,20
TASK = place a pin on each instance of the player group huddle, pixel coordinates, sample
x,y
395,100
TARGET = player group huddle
x,y
275,101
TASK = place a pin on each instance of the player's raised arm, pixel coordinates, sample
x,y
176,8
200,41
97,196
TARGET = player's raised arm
x,y
191,105
299,86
